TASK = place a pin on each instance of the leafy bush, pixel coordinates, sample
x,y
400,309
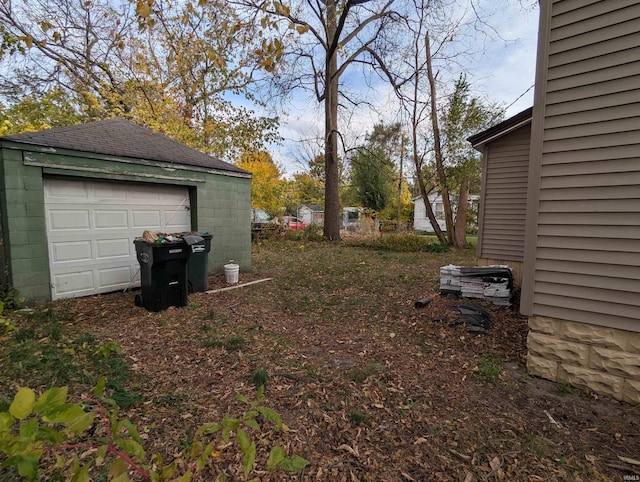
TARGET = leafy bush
x,y
84,440
401,242
314,232
10,297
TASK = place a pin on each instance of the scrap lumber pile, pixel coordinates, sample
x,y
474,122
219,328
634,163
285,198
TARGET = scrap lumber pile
x,y
492,283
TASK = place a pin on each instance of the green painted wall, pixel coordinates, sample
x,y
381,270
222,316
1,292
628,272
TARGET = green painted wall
x,y
222,207
25,226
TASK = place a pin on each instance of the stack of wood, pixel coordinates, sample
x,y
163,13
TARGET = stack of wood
x,y
492,283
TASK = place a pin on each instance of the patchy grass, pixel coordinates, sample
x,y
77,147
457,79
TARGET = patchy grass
x,y
489,367
47,351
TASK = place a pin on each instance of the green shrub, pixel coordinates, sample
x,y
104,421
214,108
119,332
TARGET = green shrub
x,y
314,232
85,440
400,242
10,297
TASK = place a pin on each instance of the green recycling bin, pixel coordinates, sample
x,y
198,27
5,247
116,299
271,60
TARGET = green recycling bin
x,y
198,266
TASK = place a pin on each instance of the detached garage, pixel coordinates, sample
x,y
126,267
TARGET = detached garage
x,y
73,199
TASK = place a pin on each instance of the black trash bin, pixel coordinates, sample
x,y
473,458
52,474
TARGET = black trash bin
x,y
163,274
198,266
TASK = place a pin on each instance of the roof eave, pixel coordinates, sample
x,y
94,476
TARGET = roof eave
x,y
501,129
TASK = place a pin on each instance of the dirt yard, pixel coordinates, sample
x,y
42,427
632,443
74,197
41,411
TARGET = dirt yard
x,y
371,388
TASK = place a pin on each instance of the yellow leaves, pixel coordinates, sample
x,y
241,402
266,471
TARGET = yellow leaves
x,y
281,9
267,184
27,39
302,29
143,8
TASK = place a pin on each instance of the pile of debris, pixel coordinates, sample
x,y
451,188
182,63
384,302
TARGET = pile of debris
x,y
491,283
151,237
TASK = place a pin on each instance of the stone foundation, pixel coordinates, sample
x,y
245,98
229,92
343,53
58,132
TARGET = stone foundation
x,y
603,360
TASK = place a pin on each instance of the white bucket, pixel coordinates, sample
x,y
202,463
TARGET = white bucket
x,y
231,272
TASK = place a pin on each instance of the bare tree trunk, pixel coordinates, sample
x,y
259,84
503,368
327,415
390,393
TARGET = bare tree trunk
x,y
437,143
400,183
460,240
332,181
423,190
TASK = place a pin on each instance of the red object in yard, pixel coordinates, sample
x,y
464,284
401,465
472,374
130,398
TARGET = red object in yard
x,y
294,224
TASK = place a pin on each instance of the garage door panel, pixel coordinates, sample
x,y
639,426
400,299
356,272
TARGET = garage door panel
x,y
67,251
111,219
143,218
109,193
113,278
62,220
73,284
175,219
67,190
113,248
145,193
91,226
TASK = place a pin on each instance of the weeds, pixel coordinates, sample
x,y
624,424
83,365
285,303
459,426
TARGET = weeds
x,y
489,367
235,343
361,373
357,418
259,378
565,387
232,344
39,349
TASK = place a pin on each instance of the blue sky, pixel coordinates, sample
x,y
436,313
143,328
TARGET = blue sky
x,y
503,73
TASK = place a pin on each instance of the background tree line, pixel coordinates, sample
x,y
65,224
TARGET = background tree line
x,y
191,71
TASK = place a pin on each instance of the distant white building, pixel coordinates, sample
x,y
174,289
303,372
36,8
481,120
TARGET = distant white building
x,y
311,214
421,221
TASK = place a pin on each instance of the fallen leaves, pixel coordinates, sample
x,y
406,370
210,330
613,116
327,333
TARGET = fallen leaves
x,y
415,411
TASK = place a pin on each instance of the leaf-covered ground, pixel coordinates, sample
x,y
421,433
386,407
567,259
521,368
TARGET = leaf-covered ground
x,y
371,388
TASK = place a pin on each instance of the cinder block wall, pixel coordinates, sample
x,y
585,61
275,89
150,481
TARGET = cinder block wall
x,y
224,210
23,214
604,360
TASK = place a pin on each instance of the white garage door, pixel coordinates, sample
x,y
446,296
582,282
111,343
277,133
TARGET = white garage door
x,y
91,226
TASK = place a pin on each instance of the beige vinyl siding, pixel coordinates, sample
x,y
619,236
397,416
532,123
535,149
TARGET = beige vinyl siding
x,y
505,196
587,237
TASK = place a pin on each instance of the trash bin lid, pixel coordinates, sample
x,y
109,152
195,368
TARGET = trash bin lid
x,y
193,239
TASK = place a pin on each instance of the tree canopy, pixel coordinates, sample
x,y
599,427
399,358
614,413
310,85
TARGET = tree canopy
x,y
186,73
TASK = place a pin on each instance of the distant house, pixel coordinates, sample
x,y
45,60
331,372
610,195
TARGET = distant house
x,y
581,252
351,217
311,214
74,198
420,220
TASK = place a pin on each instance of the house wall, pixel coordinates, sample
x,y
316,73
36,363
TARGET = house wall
x,y
582,255
220,205
505,168
421,221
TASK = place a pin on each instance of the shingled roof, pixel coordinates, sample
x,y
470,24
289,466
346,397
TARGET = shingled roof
x,y
120,137
504,127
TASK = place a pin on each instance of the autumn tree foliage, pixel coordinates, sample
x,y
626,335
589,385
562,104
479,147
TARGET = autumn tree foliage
x,y
267,183
185,71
